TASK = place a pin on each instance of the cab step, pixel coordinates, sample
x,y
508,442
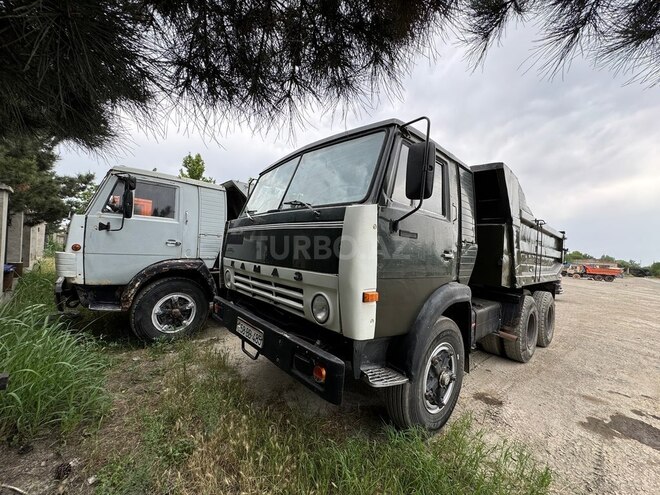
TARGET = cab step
x,y
379,377
104,307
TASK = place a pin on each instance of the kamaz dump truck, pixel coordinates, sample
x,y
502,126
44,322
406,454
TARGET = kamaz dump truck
x,y
377,255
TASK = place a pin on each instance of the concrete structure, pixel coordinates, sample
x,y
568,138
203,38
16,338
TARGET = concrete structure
x,y
15,238
34,241
5,191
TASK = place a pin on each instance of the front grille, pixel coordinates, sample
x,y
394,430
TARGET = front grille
x,y
276,293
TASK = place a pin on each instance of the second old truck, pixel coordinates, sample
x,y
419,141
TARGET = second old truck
x,y
377,255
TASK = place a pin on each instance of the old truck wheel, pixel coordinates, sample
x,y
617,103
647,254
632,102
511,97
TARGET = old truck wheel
x,y
545,304
492,344
522,349
598,278
429,399
609,278
168,309
576,275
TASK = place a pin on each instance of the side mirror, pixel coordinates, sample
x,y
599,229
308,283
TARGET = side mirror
x,y
420,170
127,200
130,182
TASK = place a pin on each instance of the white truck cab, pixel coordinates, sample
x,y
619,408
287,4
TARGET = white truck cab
x,y
148,243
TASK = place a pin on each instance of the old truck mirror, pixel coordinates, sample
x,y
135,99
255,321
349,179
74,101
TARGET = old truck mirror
x,y
421,158
127,199
130,182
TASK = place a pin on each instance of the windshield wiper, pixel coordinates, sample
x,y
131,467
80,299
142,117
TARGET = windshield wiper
x,y
296,202
247,212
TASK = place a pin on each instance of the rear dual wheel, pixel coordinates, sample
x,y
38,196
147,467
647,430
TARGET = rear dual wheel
x,y
545,305
522,349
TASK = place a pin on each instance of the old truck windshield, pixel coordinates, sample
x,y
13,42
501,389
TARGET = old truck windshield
x,y
340,173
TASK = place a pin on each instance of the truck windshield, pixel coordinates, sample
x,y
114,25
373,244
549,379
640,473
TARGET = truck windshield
x,y
340,173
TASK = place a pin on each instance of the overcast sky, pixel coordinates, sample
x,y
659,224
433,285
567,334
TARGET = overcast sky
x,y
585,146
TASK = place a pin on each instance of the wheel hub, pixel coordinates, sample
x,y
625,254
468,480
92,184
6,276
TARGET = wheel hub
x,y
440,377
173,313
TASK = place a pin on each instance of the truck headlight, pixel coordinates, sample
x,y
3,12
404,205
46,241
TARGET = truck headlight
x,y
320,308
228,279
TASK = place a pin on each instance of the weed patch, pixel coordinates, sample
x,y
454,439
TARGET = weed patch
x,y
56,378
206,436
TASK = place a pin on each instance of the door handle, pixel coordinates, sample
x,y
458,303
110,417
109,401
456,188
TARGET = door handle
x,y
172,242
448,255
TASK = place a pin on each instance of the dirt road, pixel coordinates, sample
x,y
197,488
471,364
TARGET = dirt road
x,y
588,405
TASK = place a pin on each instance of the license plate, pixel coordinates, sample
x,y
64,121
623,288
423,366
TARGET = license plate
x,y
252,334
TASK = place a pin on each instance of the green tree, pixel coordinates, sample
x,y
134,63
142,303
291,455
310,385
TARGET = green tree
x,y
607,258
70,68
627,264
26,164
193,168
655,269
576,256
77,191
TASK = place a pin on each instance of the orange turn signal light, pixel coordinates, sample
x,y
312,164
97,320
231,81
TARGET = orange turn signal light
x,y
76,247
370,296
319,374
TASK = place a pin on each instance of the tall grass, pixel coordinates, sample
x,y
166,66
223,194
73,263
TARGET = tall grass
x,y
206,436
56,378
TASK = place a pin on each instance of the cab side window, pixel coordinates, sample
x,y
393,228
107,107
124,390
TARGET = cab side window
x,y
399,192
434,204
113,203
154,200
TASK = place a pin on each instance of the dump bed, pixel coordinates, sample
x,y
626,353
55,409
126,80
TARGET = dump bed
x,y
515,249
597,270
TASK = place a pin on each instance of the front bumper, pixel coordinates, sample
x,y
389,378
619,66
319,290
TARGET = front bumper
x,y
65,294
59,297
289,352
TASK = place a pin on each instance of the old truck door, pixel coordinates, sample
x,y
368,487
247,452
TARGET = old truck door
x,y
112,256
421,256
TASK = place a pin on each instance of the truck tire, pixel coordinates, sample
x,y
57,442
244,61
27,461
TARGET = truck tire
x,y
598,278
609,278
522,349
169,309
429,399
492,344
545,304
576,275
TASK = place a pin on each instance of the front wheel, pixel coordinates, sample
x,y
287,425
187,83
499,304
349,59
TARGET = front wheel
x,y
429,398
168,309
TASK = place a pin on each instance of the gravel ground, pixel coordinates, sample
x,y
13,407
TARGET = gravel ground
x,y
588,405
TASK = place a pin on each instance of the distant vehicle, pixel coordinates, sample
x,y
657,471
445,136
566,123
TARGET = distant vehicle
x,y
148,244
593,272
377,255
639,272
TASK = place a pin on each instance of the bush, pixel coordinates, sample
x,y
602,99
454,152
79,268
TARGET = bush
x,y
56,378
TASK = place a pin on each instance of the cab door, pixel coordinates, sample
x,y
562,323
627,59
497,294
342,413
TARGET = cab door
x,y
421,255
117,248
